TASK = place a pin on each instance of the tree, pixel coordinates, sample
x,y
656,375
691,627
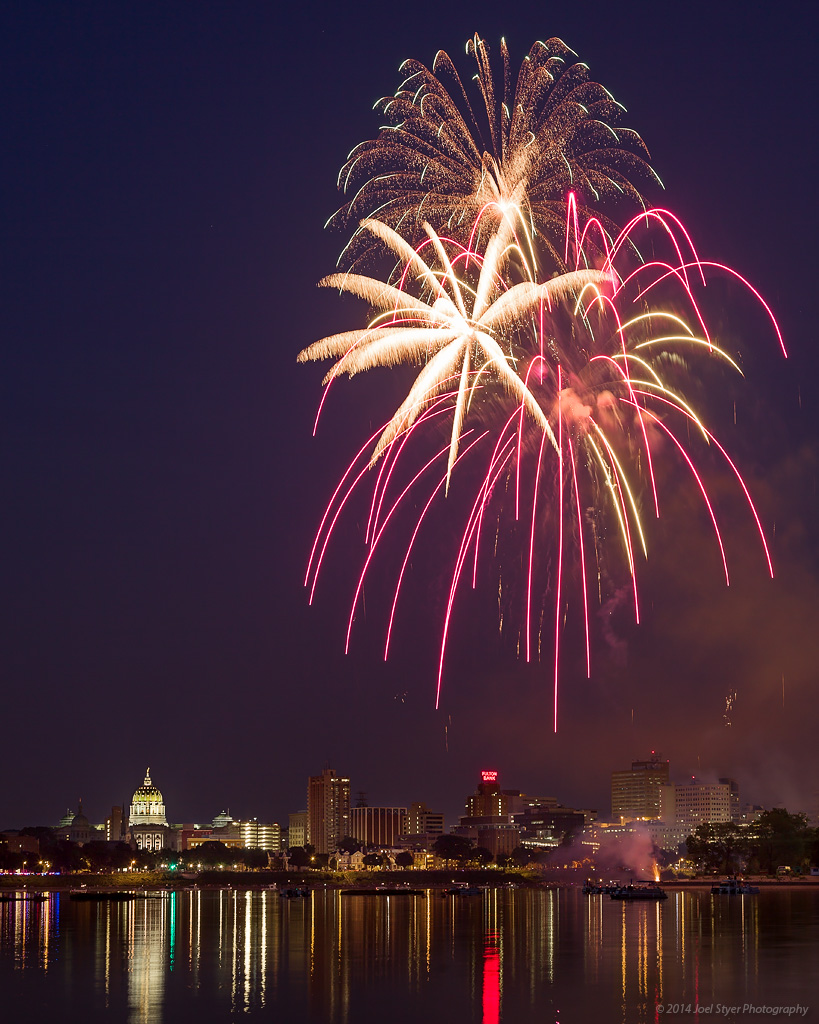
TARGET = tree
x,y
348,845
717,846
252,859
64,856
404,859
298,856
452,848
213,852
780,838
60,853
373,860
521,856
9,860
101,855
171,857
146,860
481,856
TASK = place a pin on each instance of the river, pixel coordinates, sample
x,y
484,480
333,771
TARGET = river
x,y
523,956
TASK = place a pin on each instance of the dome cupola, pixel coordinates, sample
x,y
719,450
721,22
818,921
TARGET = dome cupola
x,y
147,805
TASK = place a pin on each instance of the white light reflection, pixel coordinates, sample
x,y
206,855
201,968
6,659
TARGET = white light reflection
x,y
148,957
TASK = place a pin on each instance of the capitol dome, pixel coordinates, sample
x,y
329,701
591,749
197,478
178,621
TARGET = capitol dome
x,y
79,820
80,830
147,805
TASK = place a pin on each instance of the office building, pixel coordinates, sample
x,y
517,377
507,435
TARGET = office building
x,y
297,829
698,802
421,821
245,835
733,797
488,819
490,801
258,835
378,826
115,825
635,793
328,810
549,820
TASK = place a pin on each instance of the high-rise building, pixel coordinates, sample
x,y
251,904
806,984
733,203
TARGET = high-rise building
x,y
297,828
698,802
328,810
378,826
490,801
115,825
733,796
488,819
549,820
421,821
635,794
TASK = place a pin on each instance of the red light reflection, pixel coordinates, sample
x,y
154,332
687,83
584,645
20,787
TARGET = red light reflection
x,y
491,979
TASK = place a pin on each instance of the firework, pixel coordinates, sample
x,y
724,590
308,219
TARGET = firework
x,y
730,701
436,160
555,361
453,330
572,385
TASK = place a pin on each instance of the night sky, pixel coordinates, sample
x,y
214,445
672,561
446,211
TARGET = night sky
x,y
167,170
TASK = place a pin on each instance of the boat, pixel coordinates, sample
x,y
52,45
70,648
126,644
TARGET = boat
x,y
462,889
733,886
639,892
294,892
590,889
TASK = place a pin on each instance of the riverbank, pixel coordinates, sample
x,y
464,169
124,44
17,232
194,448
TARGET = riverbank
x,y
173,881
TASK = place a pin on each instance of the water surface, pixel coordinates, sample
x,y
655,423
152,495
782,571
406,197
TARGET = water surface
x,y
517,956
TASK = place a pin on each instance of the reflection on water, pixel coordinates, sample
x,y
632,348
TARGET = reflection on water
x,y
148,956
514,956
491,978
28,929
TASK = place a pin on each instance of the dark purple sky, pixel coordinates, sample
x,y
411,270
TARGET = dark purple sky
x,y
166,173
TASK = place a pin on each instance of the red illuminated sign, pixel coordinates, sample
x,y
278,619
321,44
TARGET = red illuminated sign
x,y
489,776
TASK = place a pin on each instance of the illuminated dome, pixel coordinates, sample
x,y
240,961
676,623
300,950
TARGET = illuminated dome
x,y
147,805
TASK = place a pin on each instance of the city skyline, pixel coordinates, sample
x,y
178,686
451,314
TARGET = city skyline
x,y
330,778
164,194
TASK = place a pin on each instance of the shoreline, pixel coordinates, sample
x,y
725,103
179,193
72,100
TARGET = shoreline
x,y
269,881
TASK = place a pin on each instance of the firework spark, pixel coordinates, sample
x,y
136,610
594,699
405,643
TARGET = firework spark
x,y
560,394
436,160
456,330
590,368
730,701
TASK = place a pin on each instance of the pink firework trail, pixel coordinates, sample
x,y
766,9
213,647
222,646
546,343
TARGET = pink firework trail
x,y
569,383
